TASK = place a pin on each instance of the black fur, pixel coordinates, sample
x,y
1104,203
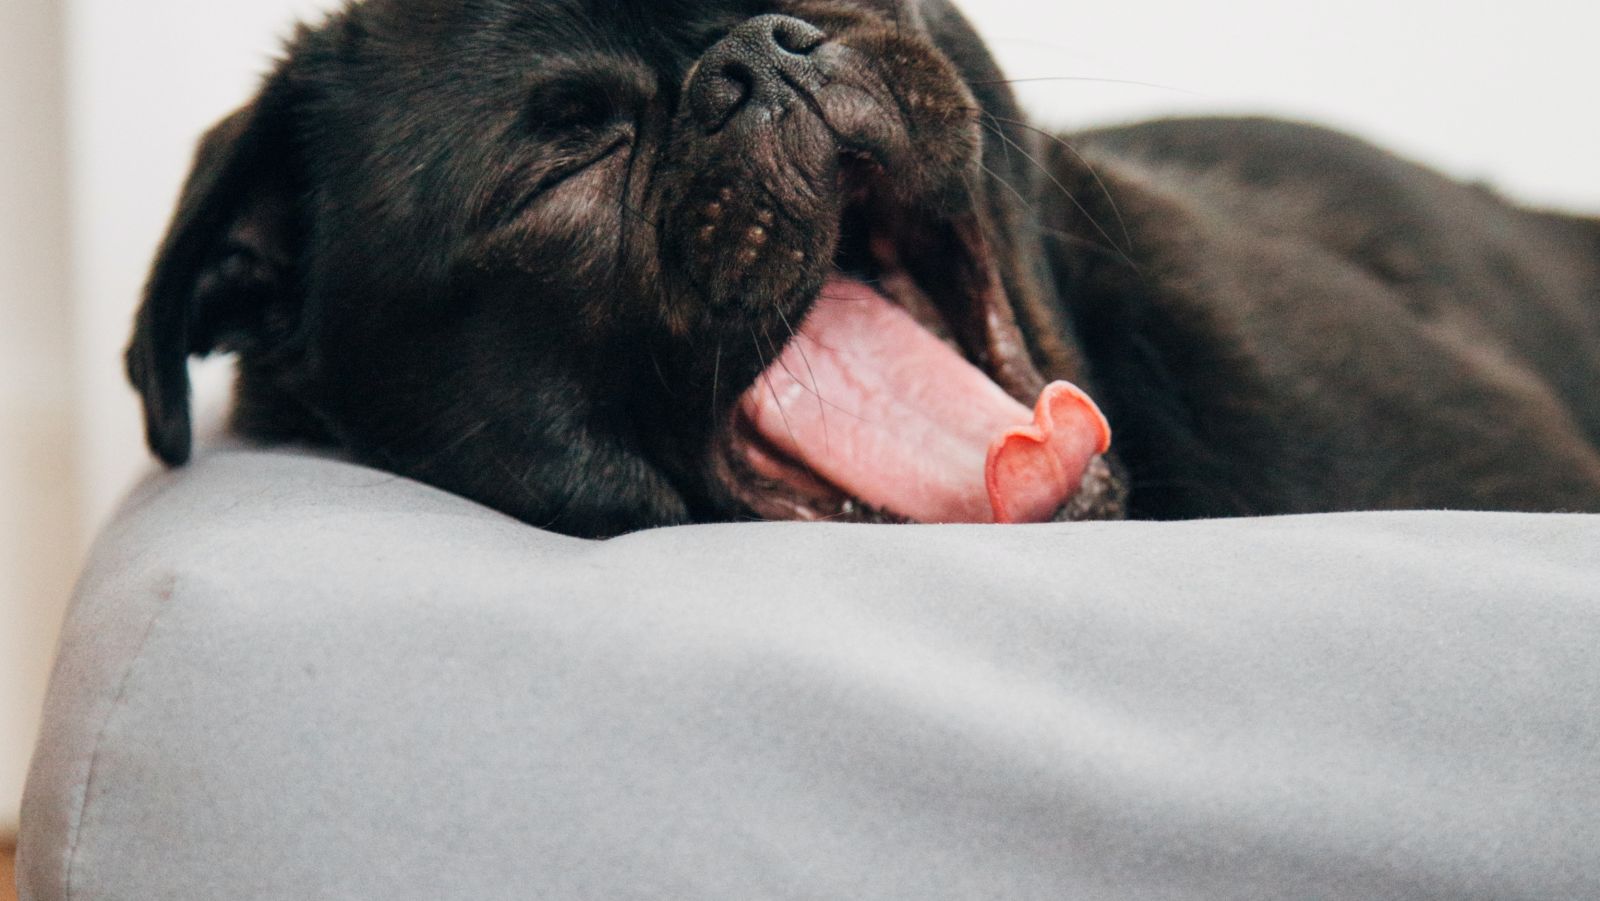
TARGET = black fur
x,y
1316,325
458,239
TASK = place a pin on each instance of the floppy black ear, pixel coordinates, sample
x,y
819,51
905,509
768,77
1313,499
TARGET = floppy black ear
x,y
228,255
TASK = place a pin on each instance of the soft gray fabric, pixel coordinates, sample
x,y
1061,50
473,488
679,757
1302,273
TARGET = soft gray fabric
x,y
292,678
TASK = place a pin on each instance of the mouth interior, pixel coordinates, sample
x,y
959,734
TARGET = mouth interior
x,y
908,394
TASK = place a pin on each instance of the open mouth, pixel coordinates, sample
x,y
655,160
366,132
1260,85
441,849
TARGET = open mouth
x,y
908,393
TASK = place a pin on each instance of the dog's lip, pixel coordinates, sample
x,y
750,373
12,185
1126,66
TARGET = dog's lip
x,y
774,486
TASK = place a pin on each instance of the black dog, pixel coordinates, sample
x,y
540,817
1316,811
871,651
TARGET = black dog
x,y
610,264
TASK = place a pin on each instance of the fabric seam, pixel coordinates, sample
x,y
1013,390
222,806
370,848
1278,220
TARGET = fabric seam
x,y
117,703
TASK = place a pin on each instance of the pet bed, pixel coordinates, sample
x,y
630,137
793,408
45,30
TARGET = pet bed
x,y
288,677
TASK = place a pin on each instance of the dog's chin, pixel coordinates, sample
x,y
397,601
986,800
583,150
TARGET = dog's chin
x,y
940,276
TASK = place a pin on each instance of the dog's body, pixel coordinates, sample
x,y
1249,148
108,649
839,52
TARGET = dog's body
x,y
1317,325
543,254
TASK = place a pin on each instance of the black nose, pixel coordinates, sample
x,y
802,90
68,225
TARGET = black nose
x,y
759,67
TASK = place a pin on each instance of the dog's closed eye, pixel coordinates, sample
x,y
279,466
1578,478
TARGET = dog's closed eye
x,y
574,105
530,183
588,96
571,121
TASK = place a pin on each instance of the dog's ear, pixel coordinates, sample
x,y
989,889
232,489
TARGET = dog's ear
x,y
229,256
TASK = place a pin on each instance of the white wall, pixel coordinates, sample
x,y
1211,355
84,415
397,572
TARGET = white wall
x,y
38,503
1485,89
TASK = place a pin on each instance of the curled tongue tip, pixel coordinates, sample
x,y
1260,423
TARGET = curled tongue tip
x,y
1033,470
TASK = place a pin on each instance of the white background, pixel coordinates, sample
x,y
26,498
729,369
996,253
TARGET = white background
x,y
101,101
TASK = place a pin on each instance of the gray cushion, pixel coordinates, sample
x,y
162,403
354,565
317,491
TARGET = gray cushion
x,y
289,677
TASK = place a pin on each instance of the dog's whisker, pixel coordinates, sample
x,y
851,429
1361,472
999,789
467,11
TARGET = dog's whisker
x,y
637,214
1009,186
1094,173
816,388
1066,237
1089,79
1112,249
810,389
716,382
777,359
523,482
456,444
661,376
766,376
1000,133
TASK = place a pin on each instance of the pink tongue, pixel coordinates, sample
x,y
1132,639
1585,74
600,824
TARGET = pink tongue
x,y
875,404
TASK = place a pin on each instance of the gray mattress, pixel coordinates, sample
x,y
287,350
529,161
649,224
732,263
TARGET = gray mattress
x,y
287,677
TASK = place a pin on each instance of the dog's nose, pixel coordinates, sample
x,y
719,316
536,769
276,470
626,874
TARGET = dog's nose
x,y
759,66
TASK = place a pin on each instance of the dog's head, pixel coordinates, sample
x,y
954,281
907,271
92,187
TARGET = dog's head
x,y
553,255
